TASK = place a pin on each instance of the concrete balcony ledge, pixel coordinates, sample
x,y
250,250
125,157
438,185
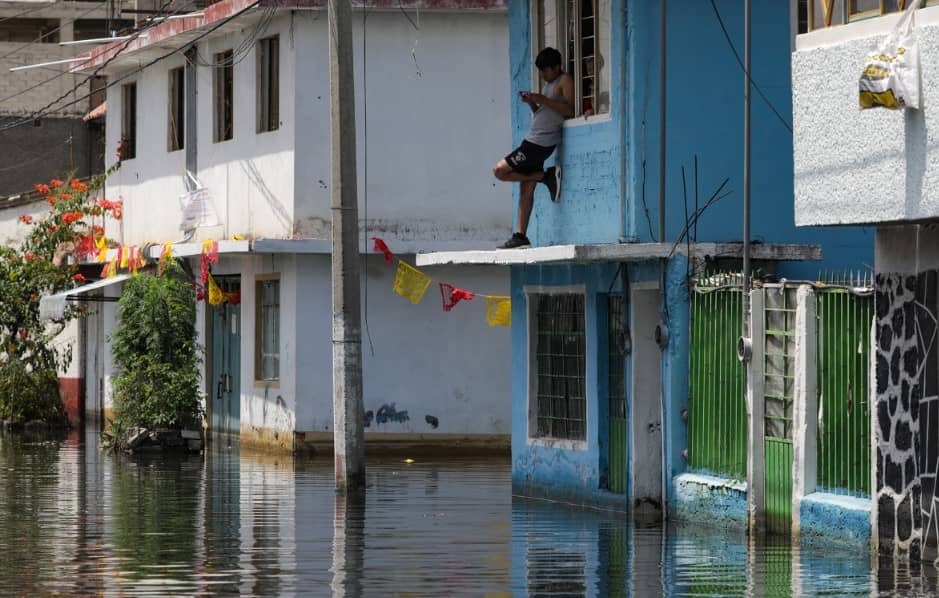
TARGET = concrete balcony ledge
x,y
835,518
617,252
706,498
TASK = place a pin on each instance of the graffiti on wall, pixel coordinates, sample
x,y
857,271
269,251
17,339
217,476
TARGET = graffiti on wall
x,y
387,413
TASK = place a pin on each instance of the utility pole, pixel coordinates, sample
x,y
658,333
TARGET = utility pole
x,y
746,167
348,410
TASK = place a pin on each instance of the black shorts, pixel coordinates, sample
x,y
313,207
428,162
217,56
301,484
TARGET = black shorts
x,y
529,157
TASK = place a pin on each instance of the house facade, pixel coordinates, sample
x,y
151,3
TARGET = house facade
x,y
882,175
626,389
233,101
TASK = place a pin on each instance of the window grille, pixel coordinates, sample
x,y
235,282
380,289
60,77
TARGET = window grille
x,y
561,365
829,13
267,346
580,30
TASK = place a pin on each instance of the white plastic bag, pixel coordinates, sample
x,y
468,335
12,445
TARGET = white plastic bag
x,y
891,76
197,206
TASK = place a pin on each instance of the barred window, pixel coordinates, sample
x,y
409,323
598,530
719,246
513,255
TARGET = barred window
x,y
580,30
267,324
560,363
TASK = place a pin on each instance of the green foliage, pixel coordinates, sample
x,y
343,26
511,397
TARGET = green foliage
x,y
39,265
154,347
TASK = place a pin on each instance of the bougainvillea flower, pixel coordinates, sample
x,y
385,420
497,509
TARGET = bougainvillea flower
x,y
77,185
55,183
97,230
29,256
23,333
41,188
65,196
78,277
51,199
26,219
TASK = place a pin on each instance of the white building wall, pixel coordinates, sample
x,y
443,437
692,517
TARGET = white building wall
x,y
857,166
450,365
437,120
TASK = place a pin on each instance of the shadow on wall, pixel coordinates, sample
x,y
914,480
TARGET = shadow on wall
x,y
257,180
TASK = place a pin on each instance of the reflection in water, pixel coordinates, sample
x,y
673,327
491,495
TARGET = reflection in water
x,y
76,521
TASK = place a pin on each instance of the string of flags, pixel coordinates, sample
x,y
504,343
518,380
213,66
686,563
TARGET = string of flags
x,y
131,258
412,284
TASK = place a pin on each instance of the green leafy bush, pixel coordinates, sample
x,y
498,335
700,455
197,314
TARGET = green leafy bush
x,y
155,350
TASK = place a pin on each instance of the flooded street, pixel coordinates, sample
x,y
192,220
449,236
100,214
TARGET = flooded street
x,y
78,522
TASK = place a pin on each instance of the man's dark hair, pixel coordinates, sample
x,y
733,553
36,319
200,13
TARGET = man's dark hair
x,y
547,58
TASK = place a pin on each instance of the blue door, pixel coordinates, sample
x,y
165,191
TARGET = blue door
x,y
225,408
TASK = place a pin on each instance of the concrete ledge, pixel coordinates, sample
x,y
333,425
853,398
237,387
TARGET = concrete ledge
x,y
709,499
617,252
835,519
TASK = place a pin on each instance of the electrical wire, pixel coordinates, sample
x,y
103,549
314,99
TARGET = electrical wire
x,y
39,39
77,85
730,42
112,83
245,48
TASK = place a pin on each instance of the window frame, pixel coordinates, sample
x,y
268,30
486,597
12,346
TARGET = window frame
x,y
532,293
602,42
129,121
223,96
843,15
259,281
268,84
176,110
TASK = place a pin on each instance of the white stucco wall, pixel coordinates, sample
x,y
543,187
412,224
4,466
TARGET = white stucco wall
x,y
437,121
857,166
450,365
12,231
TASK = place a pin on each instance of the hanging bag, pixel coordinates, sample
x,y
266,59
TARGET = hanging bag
x,y
891,76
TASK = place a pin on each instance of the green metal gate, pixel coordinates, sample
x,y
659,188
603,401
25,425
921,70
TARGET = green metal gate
x,y
778,386
717,418
843,360
619,436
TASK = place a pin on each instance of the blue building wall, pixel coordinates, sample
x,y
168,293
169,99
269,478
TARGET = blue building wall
x,y
610,193
605,162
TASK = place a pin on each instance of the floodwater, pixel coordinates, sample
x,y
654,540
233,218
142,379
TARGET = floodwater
x,y
75,521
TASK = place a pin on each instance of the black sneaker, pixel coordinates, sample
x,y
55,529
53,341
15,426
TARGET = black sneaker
x,y
552,180
517,241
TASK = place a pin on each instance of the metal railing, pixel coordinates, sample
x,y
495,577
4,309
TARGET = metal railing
x,y
717,418
844,317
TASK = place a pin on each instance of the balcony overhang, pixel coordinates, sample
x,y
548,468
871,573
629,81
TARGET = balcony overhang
x,y
618,252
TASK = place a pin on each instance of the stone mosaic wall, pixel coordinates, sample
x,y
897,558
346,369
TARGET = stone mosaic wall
x,y
907,414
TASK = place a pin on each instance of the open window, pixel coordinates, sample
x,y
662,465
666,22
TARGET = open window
x,y
580,30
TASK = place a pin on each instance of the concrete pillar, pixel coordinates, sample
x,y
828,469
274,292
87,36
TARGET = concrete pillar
x,y
805,405
66,30
756,460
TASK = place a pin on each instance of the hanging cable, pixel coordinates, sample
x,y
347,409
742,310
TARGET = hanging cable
x,y
733,49
112,83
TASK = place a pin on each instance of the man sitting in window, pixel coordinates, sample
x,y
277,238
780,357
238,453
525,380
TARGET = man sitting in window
x,y
525,165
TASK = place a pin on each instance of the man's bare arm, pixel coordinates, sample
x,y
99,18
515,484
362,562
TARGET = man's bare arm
x,y
567,92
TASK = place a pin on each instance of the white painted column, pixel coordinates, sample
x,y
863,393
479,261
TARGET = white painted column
x,y
805,405
756,459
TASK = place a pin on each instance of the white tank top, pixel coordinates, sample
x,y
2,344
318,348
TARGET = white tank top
x,y
546,122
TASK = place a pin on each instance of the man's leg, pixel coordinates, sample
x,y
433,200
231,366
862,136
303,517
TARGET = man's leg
x,y
526,198
504,172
